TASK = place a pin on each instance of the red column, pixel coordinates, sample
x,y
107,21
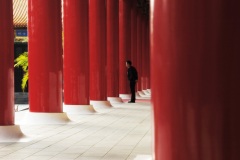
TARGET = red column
x,y
134,33
97,49
112,48
148,55
76,52
143,58
45,55
139,49
124,44
6,62
195,79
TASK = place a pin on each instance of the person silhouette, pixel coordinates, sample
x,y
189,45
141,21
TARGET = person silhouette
x,y
133,78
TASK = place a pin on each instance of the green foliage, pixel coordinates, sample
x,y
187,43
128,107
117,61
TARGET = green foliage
x,y
22,61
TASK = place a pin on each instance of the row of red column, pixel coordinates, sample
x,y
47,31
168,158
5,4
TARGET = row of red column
x,y
97,43
194,71
108,50
98,35
140,53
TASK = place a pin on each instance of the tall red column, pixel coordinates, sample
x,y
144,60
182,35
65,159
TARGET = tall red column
x,y
97,50
76,52
143,58
148,55
134,33
6,62
112,48
195,79
45,55
139,50
124,44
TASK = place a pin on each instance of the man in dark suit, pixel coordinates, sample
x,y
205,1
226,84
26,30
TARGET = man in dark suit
x,y
133,78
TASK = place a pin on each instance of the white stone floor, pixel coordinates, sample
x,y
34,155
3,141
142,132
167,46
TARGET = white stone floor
x,y
123,132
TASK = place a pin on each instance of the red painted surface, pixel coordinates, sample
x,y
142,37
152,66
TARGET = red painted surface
x,y
134,32
124,44
45,55
139,50
195,79
146,61
148,55
97,49
6,64
143,58
76,52
112,48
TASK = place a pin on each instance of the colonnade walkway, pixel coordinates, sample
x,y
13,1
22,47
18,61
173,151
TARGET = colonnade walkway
x,y
123,132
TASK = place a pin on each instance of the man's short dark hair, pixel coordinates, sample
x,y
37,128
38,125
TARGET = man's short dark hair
x,y
129,62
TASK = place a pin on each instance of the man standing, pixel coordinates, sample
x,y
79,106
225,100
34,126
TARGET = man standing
x,y
133,78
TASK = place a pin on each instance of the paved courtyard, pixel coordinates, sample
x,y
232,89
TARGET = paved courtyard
x,y
123,132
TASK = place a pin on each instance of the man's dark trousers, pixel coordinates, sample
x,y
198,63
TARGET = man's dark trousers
x,y
132,87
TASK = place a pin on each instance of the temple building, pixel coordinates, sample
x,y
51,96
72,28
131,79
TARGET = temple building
x,y
84,98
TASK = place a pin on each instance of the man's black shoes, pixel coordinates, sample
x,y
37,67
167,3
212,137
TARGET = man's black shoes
x,y
131,102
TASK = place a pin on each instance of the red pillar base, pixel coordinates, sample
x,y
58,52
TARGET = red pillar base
x,y
79,109
146,92
125,96
45,118
101,104
114,100
142,94
138,95
12,133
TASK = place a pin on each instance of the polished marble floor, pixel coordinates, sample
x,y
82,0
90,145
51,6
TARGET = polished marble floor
x,y
123,132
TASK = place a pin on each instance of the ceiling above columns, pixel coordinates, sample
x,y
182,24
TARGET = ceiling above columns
x,y
144,6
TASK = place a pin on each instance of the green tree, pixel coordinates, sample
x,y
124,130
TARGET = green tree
x,y
22,61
